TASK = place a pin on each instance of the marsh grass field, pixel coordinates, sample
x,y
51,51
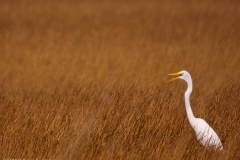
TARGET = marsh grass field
x,y
87,79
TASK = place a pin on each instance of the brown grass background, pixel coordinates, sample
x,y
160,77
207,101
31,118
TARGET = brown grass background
x,y
87,79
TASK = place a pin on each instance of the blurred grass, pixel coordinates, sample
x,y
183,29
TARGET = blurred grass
x,y
87,79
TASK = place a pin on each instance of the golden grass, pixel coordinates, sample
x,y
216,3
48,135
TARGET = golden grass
x,y
87,80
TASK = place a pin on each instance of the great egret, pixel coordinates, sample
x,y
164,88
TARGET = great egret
x,y
203,132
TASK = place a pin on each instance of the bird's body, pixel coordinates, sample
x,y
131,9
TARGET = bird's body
x,y
203,132
206,135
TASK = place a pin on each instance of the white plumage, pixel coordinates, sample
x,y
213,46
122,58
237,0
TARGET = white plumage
x,y
203,132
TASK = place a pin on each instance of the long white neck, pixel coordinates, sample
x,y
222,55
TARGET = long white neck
x,y
190,115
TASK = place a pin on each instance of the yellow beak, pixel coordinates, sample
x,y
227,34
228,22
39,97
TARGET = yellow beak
x,y
174,74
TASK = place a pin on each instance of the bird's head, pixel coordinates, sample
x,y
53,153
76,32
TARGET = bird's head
x,y
184,75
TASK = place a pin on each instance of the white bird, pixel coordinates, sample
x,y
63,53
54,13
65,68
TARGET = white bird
x,y
203,132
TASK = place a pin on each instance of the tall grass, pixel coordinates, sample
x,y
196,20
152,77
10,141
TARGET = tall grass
x,y
87,80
